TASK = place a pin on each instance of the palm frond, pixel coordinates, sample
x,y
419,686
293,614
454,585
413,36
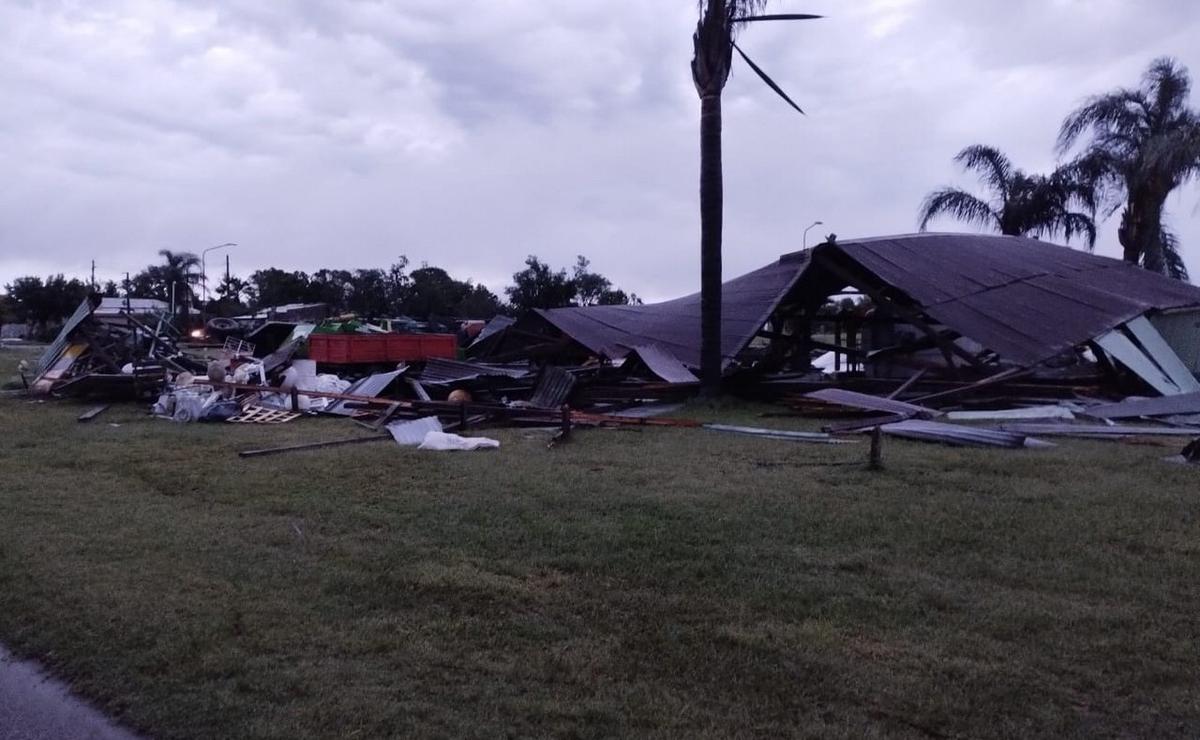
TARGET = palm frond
x,y
763,76
993,167
1173,156
1079,224
1168,86
1173,256
777,17
957,204
1123,111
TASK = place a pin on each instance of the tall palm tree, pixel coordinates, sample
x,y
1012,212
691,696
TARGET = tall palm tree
x,y
1020,204
1139,145
713,44
179,273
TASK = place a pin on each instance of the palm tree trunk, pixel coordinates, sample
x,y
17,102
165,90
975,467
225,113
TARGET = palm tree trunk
x,y
1140,235
712,204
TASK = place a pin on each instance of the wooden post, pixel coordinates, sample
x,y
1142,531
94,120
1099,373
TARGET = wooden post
x,y
295,400
876,460
566,421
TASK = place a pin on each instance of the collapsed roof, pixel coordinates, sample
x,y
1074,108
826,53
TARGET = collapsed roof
x,y
1024,299
613,331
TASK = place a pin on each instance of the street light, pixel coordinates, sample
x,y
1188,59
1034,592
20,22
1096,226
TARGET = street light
x,y
204,271
804,240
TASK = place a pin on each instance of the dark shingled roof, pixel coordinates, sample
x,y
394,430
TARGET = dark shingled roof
x,y
747,303
1025,299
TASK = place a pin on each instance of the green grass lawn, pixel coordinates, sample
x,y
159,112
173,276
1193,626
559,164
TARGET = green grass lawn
x,y
672,583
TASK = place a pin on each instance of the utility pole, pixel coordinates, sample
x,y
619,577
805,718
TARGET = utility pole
x,y
93,276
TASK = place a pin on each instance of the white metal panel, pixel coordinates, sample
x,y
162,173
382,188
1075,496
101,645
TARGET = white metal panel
x,y
1162,354
1181,329
1131,356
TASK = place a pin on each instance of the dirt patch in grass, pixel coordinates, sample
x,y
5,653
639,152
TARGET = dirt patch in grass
x,y
654,582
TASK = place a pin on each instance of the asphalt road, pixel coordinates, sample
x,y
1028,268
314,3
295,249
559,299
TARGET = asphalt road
x,y
36,707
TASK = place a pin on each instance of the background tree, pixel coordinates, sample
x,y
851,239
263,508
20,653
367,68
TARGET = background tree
x,y
432,293
479,303
593,289
538,286
44,303
1138,146
713,46
1019,204
368,294
275,287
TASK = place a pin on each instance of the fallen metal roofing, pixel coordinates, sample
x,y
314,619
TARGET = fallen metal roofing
x,y
1025,299
553,388
853,399
747,303
371,386
952,434
664,364
1098,430
1188,403
493,327
438,371
59,345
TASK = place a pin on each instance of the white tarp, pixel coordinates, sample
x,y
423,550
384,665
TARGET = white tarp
x,y
444,441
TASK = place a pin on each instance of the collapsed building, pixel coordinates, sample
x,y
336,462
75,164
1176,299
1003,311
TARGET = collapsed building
x,y
893,335
940,307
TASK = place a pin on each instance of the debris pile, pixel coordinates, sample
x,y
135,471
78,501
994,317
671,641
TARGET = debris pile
x,y
950,338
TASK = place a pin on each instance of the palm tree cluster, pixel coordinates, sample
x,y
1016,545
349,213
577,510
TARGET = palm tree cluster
x,y
1133,148
173,280
1022,204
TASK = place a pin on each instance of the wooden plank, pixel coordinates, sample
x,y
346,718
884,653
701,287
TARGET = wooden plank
x,y
908,383
313,446
999,377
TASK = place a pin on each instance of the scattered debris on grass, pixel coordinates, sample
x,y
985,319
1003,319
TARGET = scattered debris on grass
x,y
969,330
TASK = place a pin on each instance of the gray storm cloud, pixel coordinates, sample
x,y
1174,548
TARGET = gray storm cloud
x,y
468,135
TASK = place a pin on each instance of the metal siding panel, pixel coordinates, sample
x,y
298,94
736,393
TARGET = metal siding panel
x,y
1182,332
1162,354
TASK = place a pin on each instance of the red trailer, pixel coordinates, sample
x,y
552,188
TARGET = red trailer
x,y
366,349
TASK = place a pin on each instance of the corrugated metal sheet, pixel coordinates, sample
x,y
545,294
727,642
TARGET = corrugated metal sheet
x,y
60,342
553,388
1186,403
1182,331
866,401
412,433
1097,430
371,386
664,364
952,434
493,327
441,372
747,303
1025,299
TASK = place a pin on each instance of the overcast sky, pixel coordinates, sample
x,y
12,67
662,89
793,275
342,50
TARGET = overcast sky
x,y
336,133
